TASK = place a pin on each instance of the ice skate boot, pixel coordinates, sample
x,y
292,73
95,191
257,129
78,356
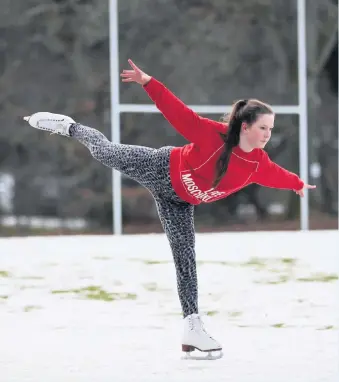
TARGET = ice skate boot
x,y
54,123
196,338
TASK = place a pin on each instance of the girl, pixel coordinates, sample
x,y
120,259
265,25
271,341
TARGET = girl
x,y
222,158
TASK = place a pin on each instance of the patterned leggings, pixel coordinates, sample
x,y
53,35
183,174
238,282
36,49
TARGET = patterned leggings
x,y
150,168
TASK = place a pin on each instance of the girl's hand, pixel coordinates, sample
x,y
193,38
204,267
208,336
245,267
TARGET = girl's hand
x,y
306,186
135,75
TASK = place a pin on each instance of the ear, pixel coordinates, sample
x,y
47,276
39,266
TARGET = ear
x,y
244,126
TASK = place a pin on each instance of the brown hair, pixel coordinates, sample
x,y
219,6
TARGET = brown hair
x,y
246,111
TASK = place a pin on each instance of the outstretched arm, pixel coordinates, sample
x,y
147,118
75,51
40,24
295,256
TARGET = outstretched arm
x,y
270,174
188,123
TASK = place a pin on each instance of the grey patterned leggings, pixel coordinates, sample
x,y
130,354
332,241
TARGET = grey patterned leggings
x,y
150,168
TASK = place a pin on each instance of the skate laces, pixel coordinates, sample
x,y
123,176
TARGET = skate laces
x,y
195,323
60,129
56,132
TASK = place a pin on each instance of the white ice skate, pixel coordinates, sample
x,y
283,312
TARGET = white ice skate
x,y
54,123
196,338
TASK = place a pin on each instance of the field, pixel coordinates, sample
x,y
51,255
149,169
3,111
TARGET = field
x,y
105,308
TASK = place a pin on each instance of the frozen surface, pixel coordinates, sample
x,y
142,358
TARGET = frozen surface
x,y
78,309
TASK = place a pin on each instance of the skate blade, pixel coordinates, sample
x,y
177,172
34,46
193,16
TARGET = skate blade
x,y
210,356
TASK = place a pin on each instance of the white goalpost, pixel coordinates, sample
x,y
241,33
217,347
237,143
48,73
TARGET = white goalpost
x,y
117,108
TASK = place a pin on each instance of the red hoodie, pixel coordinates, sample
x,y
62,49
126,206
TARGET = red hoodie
x,y
192,167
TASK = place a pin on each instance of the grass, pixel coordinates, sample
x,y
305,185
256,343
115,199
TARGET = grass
x,y
280,280
154,287
5,274
234,314
319,278
263,262
255,262
315,277
281,325
289,260
151,287
3,297
212,313
215,262
274,270
94,292
29,308
328,327
278,326
155,262
259,263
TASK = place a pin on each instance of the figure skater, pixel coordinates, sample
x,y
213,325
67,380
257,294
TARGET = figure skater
x,y
221,158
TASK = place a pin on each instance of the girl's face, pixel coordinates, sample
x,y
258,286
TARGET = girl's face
x,y
259,133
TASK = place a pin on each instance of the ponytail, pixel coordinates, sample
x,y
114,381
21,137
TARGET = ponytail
x,y
231,140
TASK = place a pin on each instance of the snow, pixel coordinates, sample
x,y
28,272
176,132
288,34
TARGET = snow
x,y
272,300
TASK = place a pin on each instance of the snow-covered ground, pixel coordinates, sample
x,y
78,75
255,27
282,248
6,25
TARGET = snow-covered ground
x,y
105,309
